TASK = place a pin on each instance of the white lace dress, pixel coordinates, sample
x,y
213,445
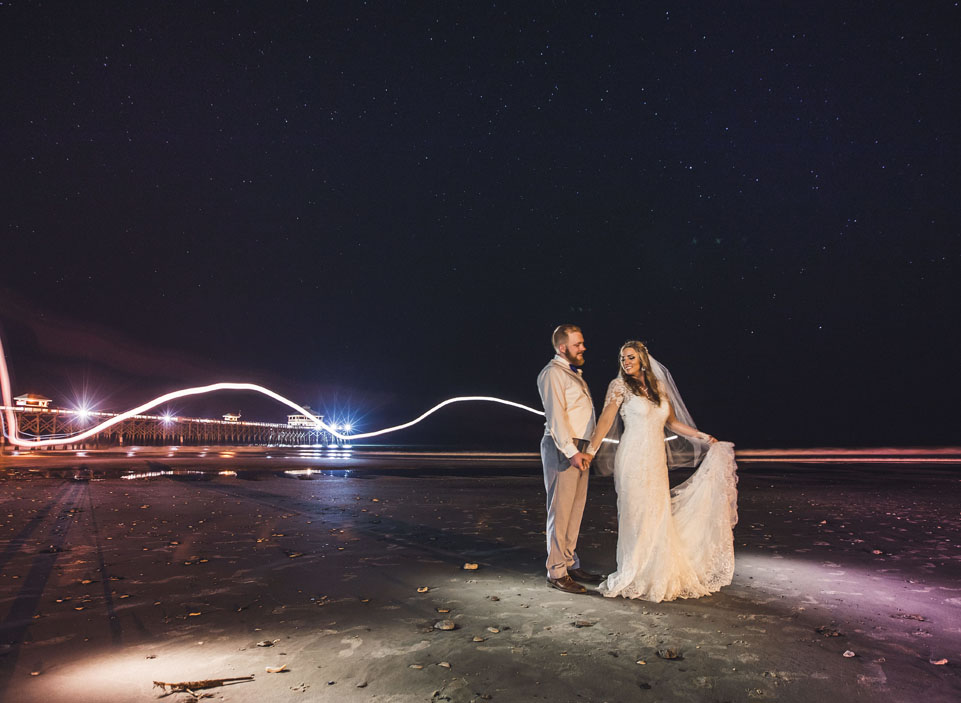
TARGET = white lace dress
x,y
670,543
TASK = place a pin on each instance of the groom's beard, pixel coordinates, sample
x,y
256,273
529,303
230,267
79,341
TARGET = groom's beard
x,y
575,360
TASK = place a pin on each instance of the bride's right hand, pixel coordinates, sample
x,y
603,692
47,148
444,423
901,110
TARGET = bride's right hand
x,y
581,461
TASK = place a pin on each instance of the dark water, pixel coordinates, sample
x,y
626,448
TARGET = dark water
x,y
257,463
308,463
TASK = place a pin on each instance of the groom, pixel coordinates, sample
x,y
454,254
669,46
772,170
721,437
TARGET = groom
x,y
570,422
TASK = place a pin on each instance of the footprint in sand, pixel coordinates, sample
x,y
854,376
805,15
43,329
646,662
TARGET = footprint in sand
x,y
352,644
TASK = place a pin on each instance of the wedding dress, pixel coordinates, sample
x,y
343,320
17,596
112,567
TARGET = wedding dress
x,y
670,543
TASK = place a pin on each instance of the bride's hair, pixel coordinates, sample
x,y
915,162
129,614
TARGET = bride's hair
x,y
648,372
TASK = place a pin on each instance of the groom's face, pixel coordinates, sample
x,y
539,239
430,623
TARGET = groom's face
x,y
573,351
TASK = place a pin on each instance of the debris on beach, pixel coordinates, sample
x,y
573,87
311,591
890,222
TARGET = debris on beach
x,y
493,598
267,643
416,666
445,625
909,616
470,566
455,690
276,669
828,631
446,665
191,686
938,662
584,623
848,653
670,653
493,629
423,589
478,638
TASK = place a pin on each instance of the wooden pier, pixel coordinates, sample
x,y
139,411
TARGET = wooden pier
x,y
155,430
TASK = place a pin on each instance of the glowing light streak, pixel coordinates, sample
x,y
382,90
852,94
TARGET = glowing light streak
x,y
13,434
449,401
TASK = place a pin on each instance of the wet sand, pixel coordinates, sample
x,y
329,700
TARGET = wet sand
x,y
108,585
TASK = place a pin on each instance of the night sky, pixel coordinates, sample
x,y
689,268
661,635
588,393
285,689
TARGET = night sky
x,y
372,207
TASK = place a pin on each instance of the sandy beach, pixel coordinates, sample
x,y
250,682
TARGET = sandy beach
x,y
847,587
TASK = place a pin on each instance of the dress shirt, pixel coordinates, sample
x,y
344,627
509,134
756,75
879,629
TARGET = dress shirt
x,y
567,405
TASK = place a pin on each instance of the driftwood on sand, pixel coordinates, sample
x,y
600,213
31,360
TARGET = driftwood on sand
x,y
191,686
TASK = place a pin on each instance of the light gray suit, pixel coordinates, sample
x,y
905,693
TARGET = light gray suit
x,y
569,424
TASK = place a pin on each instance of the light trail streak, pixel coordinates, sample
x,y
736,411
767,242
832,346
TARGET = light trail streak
x,y
14,438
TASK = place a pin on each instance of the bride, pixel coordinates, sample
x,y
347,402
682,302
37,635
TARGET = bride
x,y
670,543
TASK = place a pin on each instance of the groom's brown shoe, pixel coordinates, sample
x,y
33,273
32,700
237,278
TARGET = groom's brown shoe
x,y
567,584
587,576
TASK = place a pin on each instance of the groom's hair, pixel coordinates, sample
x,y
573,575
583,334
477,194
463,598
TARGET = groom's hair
x,y
562,333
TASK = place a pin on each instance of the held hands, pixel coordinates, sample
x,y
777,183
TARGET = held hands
x,y
581,461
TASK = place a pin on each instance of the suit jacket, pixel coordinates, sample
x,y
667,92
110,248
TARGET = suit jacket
x,y
567,405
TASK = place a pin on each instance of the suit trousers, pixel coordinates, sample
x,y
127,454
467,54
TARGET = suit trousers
x,y
566,495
